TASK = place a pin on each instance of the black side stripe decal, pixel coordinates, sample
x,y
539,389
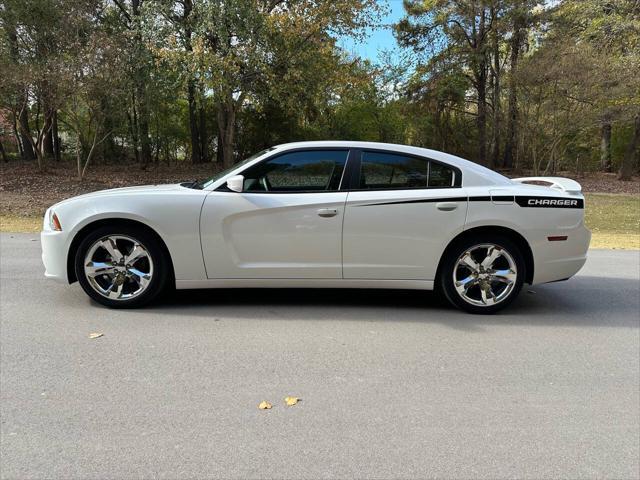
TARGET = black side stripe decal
x,y
420,200
522,201
502,198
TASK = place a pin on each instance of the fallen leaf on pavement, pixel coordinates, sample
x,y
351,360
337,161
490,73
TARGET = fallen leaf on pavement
x,y
290,401
95,335
264,405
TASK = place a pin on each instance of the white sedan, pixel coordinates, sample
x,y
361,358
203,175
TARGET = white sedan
x,y
324,214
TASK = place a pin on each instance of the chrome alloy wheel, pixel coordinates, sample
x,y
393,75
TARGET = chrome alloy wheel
x,y
118,267
485,275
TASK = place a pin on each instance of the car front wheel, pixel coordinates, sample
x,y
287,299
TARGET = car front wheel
x,y
121,267
482,275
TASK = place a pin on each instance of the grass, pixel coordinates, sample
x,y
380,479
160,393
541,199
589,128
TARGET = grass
x,y
19,224
614,221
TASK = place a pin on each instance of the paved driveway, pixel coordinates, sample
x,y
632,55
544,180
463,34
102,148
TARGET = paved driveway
x,y
393,383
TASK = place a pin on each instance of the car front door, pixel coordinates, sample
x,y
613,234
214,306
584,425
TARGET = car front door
x,y
286,223
400,215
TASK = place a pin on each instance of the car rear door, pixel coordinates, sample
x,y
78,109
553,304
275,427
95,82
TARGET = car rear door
x,y
401,213
286,223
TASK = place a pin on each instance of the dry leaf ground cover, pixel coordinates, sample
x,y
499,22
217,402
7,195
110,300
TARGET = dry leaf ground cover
x,y
613,207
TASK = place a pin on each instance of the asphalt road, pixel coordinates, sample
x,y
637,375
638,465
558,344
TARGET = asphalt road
x,y
393,384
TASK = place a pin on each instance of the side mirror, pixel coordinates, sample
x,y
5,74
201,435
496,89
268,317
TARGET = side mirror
x,y
236,183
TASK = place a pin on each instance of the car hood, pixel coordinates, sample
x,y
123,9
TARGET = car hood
x,y
124,191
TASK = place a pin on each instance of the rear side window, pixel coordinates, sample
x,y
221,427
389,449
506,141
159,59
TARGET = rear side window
x,y
302,171
381,170
440,175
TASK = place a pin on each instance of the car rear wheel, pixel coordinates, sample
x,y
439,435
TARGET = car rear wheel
x,y
121,267
482,275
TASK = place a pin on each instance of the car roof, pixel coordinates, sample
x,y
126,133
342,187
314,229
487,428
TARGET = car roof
x,y
473,173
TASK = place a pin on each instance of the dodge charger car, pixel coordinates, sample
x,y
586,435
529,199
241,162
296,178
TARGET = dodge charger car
x,y
324,214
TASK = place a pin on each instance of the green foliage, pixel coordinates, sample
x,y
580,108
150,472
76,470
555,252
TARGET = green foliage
x,y
582,74
196,80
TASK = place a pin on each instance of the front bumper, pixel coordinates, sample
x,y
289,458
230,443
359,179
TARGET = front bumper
x,y
54,255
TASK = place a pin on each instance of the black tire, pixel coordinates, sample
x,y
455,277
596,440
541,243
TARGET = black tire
x,y
161,267
446,282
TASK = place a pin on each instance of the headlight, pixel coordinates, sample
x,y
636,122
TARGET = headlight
x,y
54,223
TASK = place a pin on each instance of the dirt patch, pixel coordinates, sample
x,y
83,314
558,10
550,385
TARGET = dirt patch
x,y
605,183
27,192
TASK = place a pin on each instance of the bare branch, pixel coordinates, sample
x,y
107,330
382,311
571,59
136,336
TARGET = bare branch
x,y
123,10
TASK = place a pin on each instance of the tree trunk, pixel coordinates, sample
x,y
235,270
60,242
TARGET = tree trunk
x,y
79,156
626,169
133,127
226,132
481,119
16,134
56,137
5,159
495,154
481,87
143,127
196,155
141,92
219,157
108,148
605,147
22,122
25,134
511,144
47,141
204,151
36,146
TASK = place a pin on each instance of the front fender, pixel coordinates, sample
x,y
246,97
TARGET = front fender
x,y
173,215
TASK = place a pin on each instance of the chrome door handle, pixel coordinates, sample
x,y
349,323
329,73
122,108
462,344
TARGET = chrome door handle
x,y
446,206
328,212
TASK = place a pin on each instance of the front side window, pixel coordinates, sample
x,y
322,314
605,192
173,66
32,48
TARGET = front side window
x,y
390,171
303,171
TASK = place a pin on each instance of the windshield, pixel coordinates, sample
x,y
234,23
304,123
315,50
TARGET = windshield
x,y
222,173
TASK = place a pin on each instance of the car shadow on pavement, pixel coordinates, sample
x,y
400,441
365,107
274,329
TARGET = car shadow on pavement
x,y
583,300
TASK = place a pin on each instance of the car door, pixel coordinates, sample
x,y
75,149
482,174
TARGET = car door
x,y
401,213
286,223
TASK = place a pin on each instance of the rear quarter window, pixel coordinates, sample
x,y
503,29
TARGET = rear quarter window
x,y
395,171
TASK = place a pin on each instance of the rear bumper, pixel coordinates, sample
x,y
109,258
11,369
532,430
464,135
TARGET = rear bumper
x,y
559,270
54,255
561,260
